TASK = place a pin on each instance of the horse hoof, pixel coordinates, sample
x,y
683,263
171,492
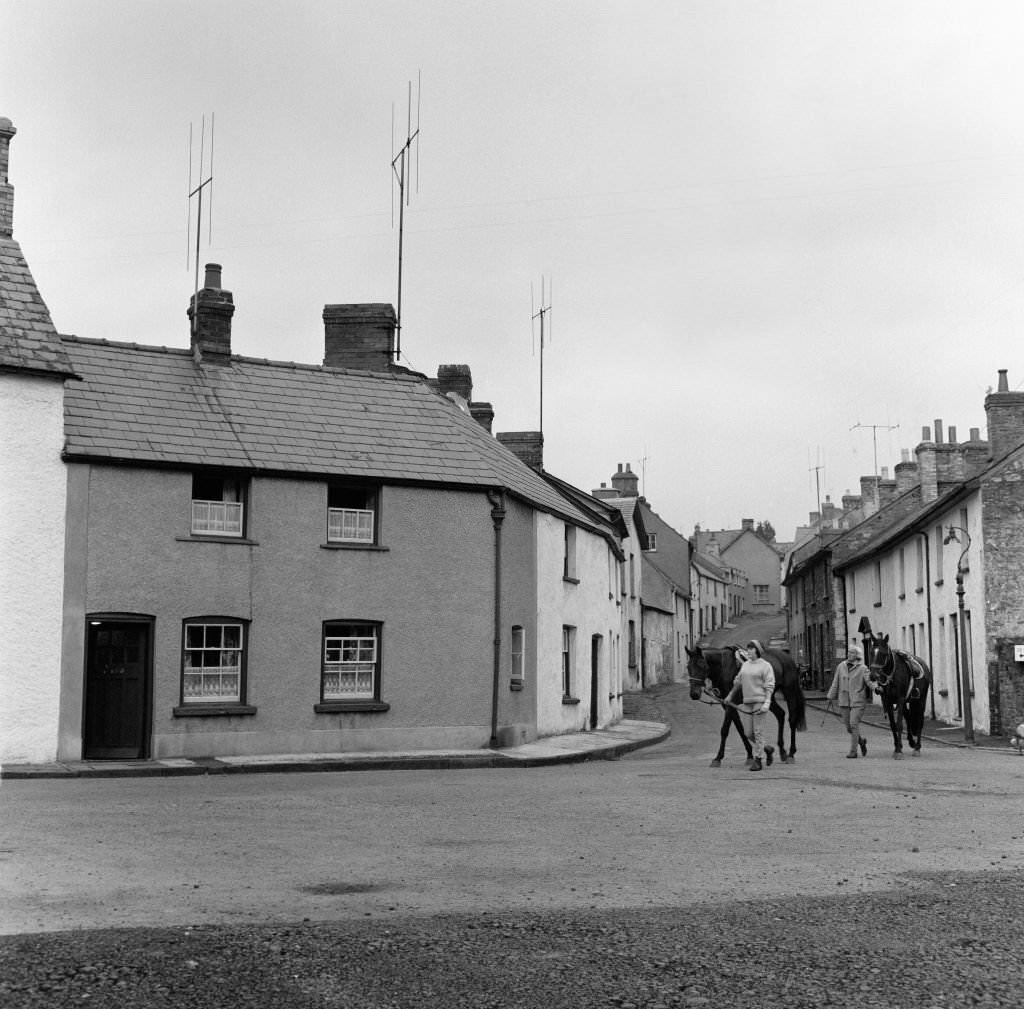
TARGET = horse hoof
x,y
897,756
915,753
750,762
716,763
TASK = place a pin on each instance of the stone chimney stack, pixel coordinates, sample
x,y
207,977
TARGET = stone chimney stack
x,y
869,494
1005,413
887,488
905,472
626,482
927,467
359,337
975,453
746,525
457,379
209,312
7,132
851,503
483,414
527,445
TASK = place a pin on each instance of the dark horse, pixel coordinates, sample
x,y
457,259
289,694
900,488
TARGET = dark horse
x,y
712,671
903,682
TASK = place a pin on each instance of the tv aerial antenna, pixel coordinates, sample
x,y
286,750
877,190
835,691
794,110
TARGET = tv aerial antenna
x,y
205,165
402,165
816,470
540,314
875,428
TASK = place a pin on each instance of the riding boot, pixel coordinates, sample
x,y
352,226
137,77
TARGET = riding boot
x,y
756,766
769,755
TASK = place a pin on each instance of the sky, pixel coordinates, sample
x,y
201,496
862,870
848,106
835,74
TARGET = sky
x,y
777,237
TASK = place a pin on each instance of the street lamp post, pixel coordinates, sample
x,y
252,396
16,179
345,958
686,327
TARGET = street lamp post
x,y
965,676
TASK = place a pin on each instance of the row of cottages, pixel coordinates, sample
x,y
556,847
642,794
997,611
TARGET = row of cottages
x,y
209,554
952,519
660,583
744,550
718,593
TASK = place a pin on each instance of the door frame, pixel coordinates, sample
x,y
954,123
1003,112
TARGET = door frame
x,y
146,703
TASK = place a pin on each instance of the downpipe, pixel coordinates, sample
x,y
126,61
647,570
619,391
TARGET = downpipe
x,y
497,500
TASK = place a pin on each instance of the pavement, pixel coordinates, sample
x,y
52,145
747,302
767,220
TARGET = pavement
x,y
599,744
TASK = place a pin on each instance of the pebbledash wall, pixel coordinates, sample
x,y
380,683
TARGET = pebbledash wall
x,y
588,602
431,586
32,500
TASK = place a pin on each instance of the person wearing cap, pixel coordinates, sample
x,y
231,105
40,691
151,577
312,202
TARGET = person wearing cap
x,y
850,690
755,683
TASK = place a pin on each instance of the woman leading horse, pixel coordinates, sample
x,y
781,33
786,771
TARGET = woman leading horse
x,y
712,672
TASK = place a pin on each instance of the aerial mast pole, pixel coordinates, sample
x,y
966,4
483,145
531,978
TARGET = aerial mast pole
x,y
400,162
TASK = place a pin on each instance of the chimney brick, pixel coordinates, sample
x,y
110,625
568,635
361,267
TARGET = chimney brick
x,y
455,378
360,337
869,494
483,414
7,131
1005,413
210,311
527,445
626,482
927,467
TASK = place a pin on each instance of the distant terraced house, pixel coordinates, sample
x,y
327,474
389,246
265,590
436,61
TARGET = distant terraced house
x,y
208,554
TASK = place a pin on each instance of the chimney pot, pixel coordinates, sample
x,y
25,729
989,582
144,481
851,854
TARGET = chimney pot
x,y
212,280
938,432
1004,384
926,434
951,434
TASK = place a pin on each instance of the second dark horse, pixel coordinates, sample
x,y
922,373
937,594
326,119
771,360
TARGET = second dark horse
x,y
714,669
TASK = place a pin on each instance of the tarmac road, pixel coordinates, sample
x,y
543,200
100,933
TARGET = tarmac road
x,y
646,830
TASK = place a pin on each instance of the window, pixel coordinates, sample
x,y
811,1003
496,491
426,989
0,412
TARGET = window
x,y
876,582
569,556
632,576
919,564
213,664
652,541
218,505
568,661
350,668
938,554
903,573
760,595
517,657
631,645
851,591
351,514
965,564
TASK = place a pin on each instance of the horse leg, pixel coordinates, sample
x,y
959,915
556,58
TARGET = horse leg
x,y
915,726
780,717
895,712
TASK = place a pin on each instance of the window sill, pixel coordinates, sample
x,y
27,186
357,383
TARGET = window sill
x,y
515,683
212,710
938,582
570,579
918,591
353,546
877,605
341,707
570,700
853,609
902,595
214,538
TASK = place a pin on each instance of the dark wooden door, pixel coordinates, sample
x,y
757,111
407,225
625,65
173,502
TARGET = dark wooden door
x,y
595,663
116,689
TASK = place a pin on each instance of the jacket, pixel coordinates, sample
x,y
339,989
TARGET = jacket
x,y
850,687
756,681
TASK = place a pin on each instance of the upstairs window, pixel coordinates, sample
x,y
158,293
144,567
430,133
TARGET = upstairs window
x,y
351,514
351,661
652,541
218,505
569,556
761,595
213,661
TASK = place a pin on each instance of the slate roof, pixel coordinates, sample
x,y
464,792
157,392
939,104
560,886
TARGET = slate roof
x,y
158,406
672,557
28,340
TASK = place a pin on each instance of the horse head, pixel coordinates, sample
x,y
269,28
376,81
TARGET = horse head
x,y
881,662
697,670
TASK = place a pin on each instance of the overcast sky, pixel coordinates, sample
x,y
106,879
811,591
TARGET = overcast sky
x,y
764,222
